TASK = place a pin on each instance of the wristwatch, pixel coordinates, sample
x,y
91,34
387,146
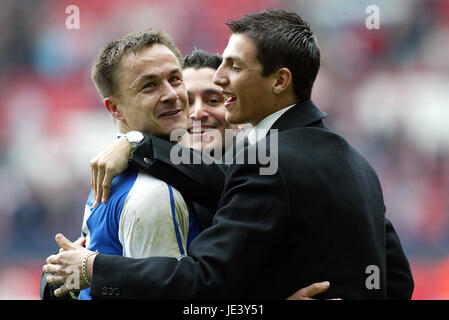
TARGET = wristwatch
x,y
134,137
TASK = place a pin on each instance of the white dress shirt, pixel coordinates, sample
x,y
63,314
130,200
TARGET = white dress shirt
x,y
260,130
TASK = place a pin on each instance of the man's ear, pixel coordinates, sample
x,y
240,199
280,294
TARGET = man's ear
x,y
282,80
113,109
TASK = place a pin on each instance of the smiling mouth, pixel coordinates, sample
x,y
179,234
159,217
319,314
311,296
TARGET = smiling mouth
x,y
170,113
229,98
199,130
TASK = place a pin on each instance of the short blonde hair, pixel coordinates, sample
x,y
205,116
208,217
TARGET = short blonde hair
x,y
104,70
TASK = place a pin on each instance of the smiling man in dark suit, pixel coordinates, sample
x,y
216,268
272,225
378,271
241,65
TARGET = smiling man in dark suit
x,y
320,215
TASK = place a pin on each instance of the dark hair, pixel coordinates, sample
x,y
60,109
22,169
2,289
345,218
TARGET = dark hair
x,y
201,59
283,39
105,67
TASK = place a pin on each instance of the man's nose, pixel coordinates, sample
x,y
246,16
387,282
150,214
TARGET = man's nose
x,y
197,111
169,94
220,77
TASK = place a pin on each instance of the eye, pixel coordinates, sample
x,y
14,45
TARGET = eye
x,y
149,85
236,69
175,80
214,100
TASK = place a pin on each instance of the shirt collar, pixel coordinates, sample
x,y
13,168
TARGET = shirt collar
x,y
260,130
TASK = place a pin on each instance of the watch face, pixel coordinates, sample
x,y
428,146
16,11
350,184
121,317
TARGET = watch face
x,y
134,136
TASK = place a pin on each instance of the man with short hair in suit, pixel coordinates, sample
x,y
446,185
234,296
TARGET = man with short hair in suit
x,y
320,215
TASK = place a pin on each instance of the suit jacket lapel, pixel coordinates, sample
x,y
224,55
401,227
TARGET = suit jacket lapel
x,y
302,114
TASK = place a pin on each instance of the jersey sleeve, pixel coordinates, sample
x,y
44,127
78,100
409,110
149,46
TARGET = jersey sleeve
x,y
154,220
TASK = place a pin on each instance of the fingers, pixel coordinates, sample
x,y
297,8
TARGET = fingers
x,y
65,243
93,168
106,166
56,273
61,277
106,185
62,290
317,288
55,279
299,295
51,268
81,241
54,264
99,183
308,292
53,259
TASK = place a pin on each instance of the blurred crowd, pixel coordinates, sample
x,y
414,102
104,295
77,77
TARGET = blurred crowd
x,y
386,90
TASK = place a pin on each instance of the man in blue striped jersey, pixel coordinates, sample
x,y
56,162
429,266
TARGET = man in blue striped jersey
x,y
139,78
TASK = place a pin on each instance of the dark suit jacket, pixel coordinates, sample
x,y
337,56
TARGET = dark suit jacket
x,y
321,216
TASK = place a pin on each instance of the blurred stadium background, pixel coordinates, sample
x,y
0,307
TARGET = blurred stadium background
x,y
386,90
